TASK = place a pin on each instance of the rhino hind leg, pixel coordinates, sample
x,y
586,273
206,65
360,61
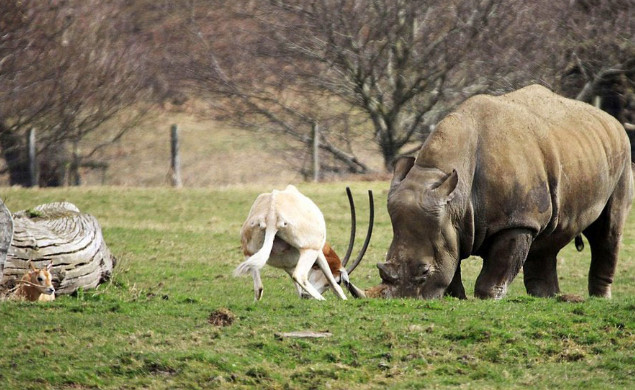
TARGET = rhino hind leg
x,y
604,242
502,261
540,275
604,237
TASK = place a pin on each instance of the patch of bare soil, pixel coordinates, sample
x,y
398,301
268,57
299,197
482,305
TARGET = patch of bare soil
x,y
570,298
221,317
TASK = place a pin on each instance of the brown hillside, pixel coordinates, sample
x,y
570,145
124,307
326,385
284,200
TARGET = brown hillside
x,y
212,154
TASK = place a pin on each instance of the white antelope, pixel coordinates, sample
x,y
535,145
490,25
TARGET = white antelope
x,y
36,285
286,230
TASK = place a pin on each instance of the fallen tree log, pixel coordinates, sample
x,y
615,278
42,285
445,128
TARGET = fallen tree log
x,y
6,234
60,234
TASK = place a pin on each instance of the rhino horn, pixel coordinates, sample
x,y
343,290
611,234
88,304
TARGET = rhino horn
x,y
388,272
401,168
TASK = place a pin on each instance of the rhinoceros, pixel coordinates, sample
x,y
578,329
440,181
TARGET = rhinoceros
x,y
511,179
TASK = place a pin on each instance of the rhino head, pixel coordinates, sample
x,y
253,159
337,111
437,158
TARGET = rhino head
x,y
424,253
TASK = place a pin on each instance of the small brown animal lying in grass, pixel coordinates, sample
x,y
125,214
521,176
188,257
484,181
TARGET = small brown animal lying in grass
x,y
35,285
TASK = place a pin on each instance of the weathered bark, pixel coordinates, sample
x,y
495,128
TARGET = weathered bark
x,y
6,234
61,234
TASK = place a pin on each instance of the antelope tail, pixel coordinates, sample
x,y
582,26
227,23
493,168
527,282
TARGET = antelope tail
x,y
259,259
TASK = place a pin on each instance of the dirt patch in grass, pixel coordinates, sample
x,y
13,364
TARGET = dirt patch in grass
x,y
570,298
221,317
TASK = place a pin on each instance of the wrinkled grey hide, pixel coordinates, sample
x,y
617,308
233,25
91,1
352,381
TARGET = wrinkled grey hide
x,y
512,179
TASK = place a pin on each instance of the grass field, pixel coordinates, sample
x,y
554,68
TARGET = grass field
x,y
149,328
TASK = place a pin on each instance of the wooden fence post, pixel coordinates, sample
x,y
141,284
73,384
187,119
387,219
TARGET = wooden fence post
x,y
316,152
33,173
175,165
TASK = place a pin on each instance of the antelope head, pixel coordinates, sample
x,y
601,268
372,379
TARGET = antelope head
x,y
38,281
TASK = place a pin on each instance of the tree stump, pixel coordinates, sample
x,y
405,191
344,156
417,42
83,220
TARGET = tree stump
x,y
60,234
6,234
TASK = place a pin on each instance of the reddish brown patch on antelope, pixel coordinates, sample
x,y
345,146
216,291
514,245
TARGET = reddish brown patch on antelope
x,y
379,291
333,259
244,241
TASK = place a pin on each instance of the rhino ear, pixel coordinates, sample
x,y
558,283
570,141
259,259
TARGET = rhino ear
x,y
446,190
401,167
388,273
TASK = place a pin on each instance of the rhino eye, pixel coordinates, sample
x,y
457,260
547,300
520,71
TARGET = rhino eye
x,y
423,269
421,273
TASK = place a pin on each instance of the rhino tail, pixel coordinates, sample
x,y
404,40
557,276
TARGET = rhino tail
x,y
579,243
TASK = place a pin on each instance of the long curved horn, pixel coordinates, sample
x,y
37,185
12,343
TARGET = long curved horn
x,y
371,221
354,290
351,240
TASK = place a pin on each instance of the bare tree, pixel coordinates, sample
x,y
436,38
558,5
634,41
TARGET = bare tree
x,y
72,68
596,52
22,50
226,56
399,65
384,71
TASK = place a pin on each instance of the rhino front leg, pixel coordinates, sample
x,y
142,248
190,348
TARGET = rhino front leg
x,y
541,276
504,258
456,289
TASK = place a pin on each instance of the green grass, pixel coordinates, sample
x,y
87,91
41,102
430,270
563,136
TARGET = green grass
x,y
148,328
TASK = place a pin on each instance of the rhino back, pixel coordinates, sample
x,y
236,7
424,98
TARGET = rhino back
x,y
530,159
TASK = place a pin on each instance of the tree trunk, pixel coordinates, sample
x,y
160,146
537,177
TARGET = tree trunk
x,y
389,155
13,153
389,150
60,234
54,165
